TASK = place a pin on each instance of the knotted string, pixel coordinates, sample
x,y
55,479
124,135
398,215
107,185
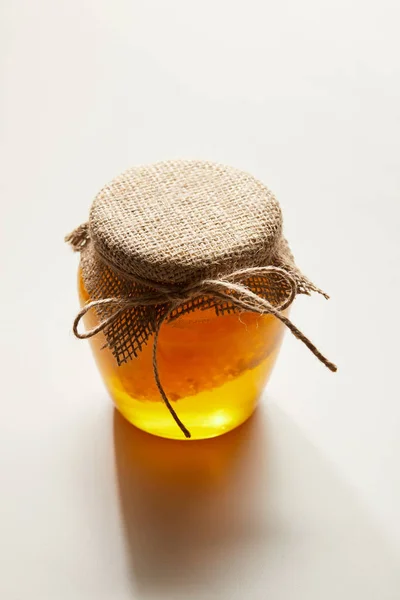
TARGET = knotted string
x,y
227,288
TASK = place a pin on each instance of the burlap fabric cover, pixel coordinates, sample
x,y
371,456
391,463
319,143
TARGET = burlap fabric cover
x,y
176,223
171,225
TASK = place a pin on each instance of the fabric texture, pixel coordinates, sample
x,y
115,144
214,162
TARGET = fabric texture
x,y
161,232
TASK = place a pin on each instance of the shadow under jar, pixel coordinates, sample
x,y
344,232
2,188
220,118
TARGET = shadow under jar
x,y
185,284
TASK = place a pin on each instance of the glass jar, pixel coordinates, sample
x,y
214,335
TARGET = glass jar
x,y
171,239
213,370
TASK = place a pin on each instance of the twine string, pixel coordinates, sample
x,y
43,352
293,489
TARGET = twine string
x,y
229,288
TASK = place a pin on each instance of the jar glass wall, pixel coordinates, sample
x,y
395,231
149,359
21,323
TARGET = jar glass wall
x,y
212,368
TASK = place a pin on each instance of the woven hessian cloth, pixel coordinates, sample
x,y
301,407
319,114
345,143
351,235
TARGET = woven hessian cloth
x,y
174,224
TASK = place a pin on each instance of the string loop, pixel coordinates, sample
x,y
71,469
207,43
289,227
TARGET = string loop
x,y
229,288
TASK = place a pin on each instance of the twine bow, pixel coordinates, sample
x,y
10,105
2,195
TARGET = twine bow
x,y
229,288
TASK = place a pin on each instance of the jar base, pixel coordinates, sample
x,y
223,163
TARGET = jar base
x,y
207,414
217,425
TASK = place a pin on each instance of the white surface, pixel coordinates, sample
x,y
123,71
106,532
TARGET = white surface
x,y
303,502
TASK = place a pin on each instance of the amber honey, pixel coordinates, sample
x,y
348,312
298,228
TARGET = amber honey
x,y
213,370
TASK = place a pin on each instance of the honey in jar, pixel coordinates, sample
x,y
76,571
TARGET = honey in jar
x,y
213,370
185,283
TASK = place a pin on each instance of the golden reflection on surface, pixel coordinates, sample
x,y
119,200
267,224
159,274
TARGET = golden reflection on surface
x,y
181,503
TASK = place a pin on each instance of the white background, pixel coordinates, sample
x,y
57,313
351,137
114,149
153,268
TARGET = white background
x,y
302,503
